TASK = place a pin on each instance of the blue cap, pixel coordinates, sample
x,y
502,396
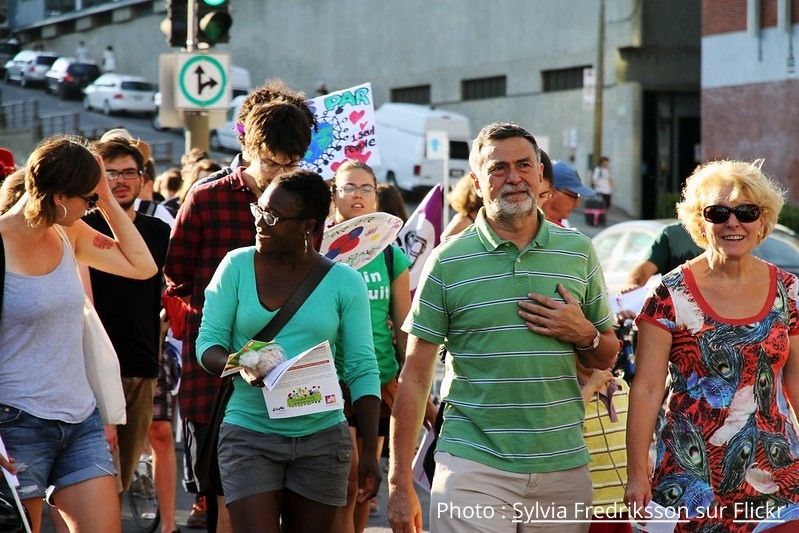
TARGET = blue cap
x,y
565,177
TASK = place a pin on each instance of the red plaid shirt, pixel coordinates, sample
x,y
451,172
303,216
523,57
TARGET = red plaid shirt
x,y
214,219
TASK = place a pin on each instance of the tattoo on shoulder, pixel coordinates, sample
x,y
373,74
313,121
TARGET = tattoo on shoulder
x,y
103,242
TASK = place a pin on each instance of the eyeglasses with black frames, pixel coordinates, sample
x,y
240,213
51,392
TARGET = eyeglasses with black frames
x,y
719,214
349,189
272,165
268,218
128,174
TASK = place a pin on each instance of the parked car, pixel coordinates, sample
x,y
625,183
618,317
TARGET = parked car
x,y
112,93
226,138
622,246
8,49
69,76
29,67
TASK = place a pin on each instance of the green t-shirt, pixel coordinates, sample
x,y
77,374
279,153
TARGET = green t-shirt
x,y
336,311
375,274
514,403
673,247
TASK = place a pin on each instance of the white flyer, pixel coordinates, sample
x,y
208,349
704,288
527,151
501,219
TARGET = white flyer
x,y
304,385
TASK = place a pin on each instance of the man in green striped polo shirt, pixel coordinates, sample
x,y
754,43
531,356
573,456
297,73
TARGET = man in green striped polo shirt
x,y
514,299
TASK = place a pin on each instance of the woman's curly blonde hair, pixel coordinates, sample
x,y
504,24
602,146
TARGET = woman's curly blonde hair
x,y
743,180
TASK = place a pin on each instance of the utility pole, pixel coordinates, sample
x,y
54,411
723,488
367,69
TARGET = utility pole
x,y
599,69
197,129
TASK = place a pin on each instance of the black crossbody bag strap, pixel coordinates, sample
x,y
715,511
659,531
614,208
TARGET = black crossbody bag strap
x,y
295,301
207,465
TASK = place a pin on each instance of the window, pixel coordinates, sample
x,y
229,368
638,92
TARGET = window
x,y
45,60
481,88
563,79
136,86
635,250
418,94
458,150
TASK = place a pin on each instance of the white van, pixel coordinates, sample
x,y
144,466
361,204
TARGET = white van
x,y
401,131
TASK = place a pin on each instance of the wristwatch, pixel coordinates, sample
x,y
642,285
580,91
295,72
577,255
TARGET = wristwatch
x,y
592,346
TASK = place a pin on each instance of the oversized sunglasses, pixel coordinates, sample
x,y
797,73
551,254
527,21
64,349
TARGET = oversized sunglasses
x,y
719,214
91,200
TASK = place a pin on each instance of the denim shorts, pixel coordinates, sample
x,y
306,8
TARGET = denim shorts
x,y
51,452
315,466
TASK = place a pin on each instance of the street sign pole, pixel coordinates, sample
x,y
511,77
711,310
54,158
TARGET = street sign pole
x,y
445,210
438,148
196,133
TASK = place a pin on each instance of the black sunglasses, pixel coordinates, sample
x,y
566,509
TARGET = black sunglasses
x,y
719,214
91,200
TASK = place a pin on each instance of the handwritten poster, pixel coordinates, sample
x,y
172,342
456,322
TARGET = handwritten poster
x,y
346,130
358,240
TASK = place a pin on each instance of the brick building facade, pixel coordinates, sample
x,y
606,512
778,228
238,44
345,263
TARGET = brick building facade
x,y
750,87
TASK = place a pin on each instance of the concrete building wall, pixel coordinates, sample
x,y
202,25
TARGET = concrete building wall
x,y
738,58
28,11
649,45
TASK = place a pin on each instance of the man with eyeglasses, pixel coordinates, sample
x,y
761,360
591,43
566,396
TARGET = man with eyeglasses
x,y
273,90
214,219
128,308
143,203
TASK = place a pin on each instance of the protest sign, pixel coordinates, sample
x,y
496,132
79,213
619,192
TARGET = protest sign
x,y
357,241
346,130
422,232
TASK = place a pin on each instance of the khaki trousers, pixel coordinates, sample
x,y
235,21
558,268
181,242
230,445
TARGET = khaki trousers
x,y
139,394
467,496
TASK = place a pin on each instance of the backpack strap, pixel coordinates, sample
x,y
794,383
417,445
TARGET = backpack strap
x,y
147,207
388,255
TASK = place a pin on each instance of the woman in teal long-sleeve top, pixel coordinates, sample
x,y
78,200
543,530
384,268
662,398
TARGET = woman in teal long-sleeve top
x,y
295,465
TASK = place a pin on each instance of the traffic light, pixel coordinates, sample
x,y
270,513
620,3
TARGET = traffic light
x,y
176,22
213,21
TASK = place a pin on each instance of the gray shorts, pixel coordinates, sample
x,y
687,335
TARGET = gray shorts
x,y
315,466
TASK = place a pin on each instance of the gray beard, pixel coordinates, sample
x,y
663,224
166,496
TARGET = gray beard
x,y
502,212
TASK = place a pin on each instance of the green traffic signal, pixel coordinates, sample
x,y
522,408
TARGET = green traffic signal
x,y
215,26
214,21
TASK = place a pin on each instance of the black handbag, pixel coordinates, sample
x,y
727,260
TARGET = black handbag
x,y
207,466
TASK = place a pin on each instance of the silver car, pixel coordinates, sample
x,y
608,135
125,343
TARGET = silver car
x,y
622,246
29,67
